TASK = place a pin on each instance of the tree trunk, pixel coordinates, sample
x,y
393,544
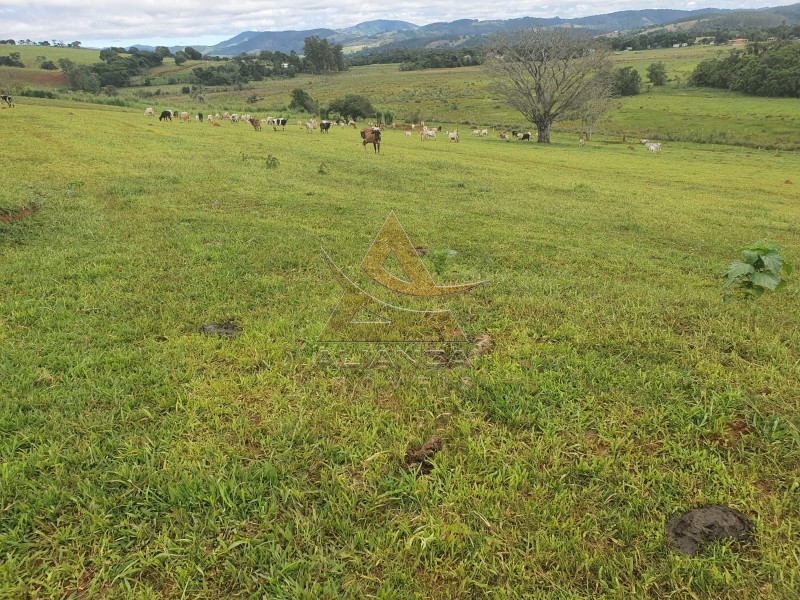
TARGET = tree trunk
x,y
543,132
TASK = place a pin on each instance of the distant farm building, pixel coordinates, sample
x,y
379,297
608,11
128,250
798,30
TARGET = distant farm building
x,y
739,42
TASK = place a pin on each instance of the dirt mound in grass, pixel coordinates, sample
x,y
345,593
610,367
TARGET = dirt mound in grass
x,y
15,215
688,533
421,457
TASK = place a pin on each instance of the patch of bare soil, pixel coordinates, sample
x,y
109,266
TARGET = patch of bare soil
x,y
421,457
15,215
227,329
690,532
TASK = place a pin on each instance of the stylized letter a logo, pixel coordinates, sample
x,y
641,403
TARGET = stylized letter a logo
x,y
388,323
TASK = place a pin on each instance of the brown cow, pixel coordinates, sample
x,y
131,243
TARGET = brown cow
x,y
371,136
256,123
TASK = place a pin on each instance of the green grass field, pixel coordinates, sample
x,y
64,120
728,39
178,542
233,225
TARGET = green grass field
x,y
140,458
144,459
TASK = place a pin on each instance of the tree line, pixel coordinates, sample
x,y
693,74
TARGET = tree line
x,y
119,66
718,35
760,70
415,59
56,43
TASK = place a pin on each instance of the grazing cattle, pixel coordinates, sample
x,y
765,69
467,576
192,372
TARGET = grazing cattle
x,y
654,147
524,136
426,133
581,142
211,118
311,126
407,133
256,124
452,135
324,126
226,115
216,116
200,117
184,117
371,136
279,123
216,124
8,100
149,112
352,123
476,132
484,132
165,116
174,114
504,135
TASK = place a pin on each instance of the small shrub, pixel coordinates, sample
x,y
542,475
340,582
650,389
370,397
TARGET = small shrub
x,y
38,94
759,270
272,162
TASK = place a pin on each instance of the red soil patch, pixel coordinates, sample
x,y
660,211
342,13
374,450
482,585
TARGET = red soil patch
x,y
15,215
47,78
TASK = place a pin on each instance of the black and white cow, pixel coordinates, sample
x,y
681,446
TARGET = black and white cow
x,y
279,123
8,100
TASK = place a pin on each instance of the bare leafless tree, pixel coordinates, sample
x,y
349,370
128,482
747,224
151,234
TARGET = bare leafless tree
x,y
548,74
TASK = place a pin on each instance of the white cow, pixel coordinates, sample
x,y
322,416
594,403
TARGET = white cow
x,y
149,112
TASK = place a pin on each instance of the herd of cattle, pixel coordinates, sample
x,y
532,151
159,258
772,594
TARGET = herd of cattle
x,y
369,135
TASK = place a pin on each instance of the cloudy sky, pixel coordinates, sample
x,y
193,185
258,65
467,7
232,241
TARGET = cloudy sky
x,y
200,22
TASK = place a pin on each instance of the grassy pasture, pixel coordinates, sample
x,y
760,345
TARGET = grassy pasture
x,y
671,112
12,78
142,459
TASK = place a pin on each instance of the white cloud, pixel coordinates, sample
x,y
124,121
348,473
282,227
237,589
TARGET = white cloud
x,y
200,22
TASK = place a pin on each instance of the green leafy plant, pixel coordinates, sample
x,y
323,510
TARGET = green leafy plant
x,y
760,269
272,162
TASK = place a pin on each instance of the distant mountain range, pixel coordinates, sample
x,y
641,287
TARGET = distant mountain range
x,y
385,34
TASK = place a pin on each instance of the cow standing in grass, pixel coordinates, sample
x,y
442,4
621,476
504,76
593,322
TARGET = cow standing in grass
x,y
371,136
8,100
